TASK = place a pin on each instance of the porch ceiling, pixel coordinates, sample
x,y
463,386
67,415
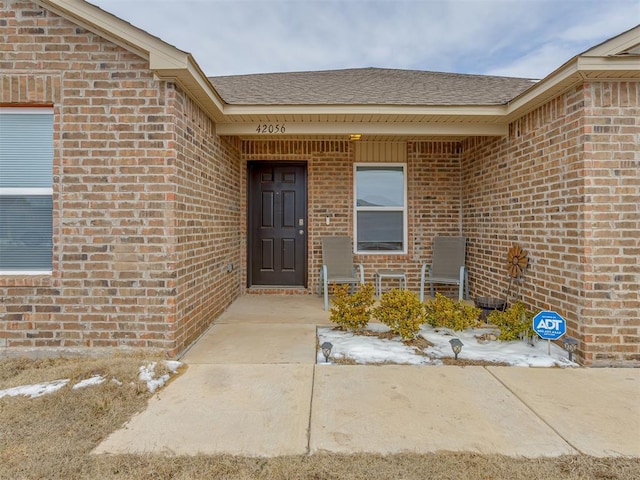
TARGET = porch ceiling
x,y
267,121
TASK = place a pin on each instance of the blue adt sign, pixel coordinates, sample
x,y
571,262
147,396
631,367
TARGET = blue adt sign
x,y
549,325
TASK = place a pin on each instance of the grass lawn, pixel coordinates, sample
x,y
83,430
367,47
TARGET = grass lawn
x,y
51,437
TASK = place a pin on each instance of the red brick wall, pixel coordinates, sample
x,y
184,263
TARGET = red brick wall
x,y
543,188
433,183
206,221
150,205
138,251
611,310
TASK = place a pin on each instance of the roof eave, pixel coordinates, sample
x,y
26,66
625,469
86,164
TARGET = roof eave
x,y
169,63
361,109
166,61
573,73
600,62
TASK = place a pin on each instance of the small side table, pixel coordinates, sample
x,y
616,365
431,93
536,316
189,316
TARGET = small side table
x,y
392,274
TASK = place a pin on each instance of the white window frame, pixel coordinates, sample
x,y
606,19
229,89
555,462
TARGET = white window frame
x,y
25,190
404,209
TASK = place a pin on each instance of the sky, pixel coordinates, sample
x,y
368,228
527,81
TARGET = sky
x,y
519,38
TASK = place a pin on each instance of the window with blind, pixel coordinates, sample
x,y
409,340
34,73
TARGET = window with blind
x,y
26,179
380,208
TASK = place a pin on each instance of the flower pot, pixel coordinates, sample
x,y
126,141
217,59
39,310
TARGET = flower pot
x,y
489,304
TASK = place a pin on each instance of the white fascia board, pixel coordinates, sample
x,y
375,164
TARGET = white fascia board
x,y
160,54
97,21
346,128
568,73
571,73
609,64
614,46
348,110
167,61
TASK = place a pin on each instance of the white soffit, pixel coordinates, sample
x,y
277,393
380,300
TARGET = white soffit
x,y
612,59
275,130
165,60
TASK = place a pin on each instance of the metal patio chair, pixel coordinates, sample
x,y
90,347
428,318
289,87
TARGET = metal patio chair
x,y
337,265
447,266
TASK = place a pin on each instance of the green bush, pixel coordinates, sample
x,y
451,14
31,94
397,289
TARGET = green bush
x,y
352,311
457,315
516,322
402,311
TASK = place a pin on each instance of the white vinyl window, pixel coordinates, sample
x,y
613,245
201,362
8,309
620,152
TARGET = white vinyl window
x,y
26,180
380,208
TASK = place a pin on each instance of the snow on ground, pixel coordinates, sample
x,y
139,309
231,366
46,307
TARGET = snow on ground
x,y
368,349
146,374
95,380
34,391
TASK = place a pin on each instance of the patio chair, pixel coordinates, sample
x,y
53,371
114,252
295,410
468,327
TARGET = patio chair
x,y
337,265
447,266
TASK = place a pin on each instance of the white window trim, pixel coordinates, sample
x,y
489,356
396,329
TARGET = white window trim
x,y
26,191
27,110
404,208
25,273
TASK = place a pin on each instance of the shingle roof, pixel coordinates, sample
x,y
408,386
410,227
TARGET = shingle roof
x,y
366,86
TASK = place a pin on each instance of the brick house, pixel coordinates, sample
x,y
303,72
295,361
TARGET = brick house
x,y
131,184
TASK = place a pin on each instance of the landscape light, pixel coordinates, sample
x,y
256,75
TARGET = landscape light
x,y
456,346
570,345
326,350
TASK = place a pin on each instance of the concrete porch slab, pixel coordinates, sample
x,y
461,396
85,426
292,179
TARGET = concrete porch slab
x,y
252,410
298,309
243,343
392,409
595,410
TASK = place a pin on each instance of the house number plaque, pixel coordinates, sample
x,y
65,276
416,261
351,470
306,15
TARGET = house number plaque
x,y
273,128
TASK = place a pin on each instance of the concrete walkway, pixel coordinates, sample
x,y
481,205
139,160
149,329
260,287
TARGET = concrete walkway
x,y
252,388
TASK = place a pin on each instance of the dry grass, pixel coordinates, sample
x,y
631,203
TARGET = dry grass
x,y
51,437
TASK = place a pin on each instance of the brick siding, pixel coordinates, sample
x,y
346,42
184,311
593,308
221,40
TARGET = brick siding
x,y
150,204
564,185
125,149
610,314
433,183
207,222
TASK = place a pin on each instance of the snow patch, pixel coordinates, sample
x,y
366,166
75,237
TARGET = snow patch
x,y
146,374
371,349
35,390
95,380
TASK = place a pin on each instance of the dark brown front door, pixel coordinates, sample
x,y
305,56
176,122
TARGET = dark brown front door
x,y
277,231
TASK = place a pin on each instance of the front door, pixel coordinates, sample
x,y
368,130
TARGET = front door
x,y
277,230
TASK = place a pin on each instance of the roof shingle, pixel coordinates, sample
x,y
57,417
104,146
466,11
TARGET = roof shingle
x,y
368,86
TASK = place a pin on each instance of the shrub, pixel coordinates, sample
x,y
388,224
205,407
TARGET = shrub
x,y
516,322
457,315
402,311
351,311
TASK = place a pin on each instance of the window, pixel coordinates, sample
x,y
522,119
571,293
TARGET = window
x,y
26,179
380,208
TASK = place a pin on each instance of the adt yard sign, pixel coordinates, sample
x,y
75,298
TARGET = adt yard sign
x,y
549,325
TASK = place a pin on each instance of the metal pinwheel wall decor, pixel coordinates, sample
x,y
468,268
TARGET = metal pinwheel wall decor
x,y
517,261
